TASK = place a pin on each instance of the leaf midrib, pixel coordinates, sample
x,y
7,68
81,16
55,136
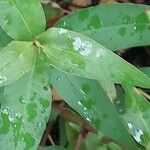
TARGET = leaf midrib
x,y
26,24
28,90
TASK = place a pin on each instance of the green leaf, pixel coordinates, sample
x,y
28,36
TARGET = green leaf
x,y
4,38
146,70
22,20
25,108
79,55
89,100
136,114
15,60
52,148
115,26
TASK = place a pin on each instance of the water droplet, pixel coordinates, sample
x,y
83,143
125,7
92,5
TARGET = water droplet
x,y
85,109
22,99
100,53
126,19
83,47
3,79
4,111
82,92
79,103
6,21
85,113
18,115
120,110
130,125
39,124
88,119
10,119
137,135
134,27
62,31
117,102
58,78
64,24
85,88
22,71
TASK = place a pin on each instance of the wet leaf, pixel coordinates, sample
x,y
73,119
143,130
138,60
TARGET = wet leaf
x,y
25,108
89,100
115,26
79,55
16,20
15,60
4,38
136,114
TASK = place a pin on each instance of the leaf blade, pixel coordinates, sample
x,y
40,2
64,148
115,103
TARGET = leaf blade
x,y
88,99
16,21
25,113
15,60
103,23
141,121
79,55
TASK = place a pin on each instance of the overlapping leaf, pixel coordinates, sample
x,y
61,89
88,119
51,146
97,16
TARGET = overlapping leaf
x,y
22,20
15,60
25,107
77,54
137,114
114,26
89,100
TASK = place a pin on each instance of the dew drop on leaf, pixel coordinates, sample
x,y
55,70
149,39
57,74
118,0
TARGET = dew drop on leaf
x,y
130,125
3,79
58,78
138,134
79,103
88,119
10,118
62,31
39,124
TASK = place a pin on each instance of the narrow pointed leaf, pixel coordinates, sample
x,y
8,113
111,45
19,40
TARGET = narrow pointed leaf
x,y
25,109
89,100
115,26
77,54
22,20
15,60
136,114
4,38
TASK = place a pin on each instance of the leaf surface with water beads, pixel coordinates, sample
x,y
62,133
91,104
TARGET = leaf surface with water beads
x,y
115,26
18,19
15,60
25,108
89,100
136,113
79,55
